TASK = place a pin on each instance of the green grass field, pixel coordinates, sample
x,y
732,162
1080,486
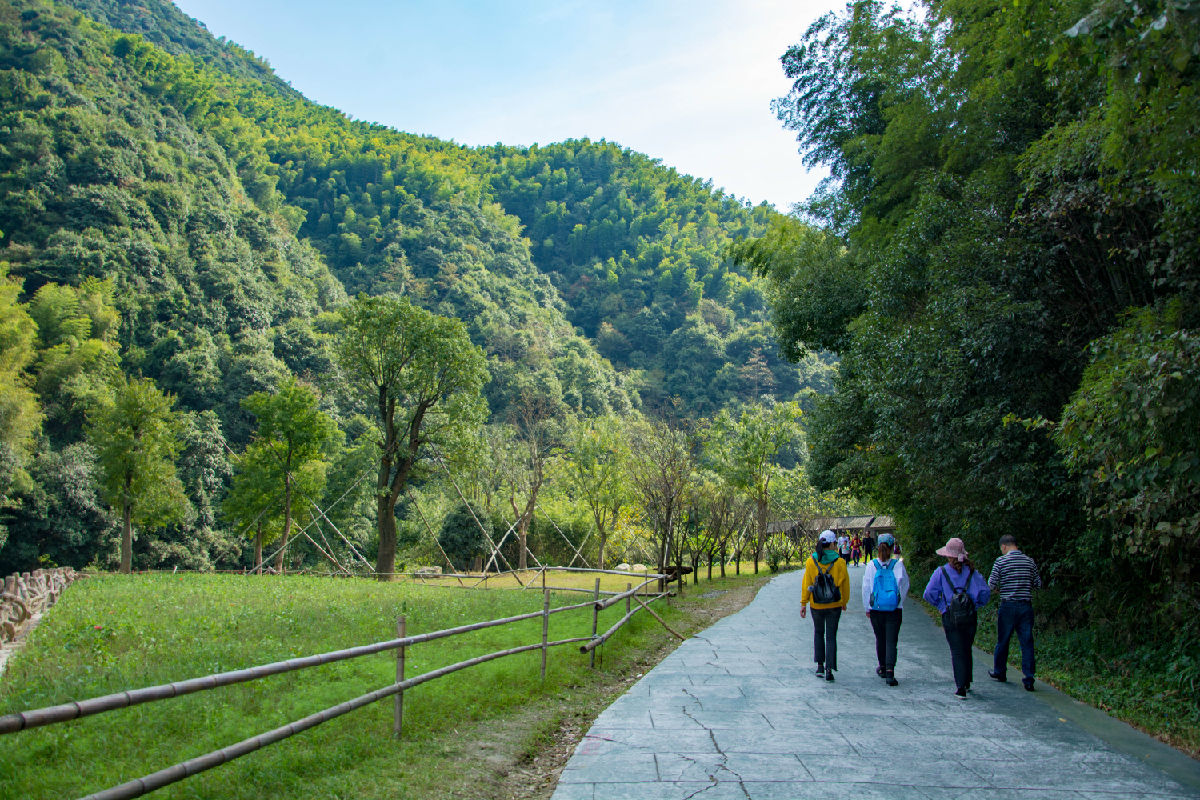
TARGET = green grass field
x,y
110,633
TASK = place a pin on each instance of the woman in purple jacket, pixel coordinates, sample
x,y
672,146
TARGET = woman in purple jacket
x,y
959,618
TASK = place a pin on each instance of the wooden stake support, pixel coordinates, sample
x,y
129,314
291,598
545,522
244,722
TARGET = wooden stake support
x,y
398,712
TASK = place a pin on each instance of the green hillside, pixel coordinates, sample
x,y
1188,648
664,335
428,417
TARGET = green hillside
x,y
174,210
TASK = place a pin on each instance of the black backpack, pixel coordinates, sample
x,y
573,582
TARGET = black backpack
x,y
961,609
824,589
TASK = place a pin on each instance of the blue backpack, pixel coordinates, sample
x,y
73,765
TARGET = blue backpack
x,y
885,594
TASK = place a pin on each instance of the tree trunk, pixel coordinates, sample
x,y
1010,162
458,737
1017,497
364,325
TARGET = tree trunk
x,y
760,535
127,535
385,562
603,540
287,520
523,543
679,569
258,541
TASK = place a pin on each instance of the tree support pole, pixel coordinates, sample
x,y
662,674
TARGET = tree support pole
x,y
595,621
545,623
398,711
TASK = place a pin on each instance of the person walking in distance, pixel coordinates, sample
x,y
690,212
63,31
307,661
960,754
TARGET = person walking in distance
x,y
958,591
826,586
884,585
843,547
1013,579
868,543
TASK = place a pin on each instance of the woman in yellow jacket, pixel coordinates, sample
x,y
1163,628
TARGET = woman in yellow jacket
x,y
827,612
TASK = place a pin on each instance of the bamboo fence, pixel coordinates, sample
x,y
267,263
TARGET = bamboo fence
x,y
12,723
24,595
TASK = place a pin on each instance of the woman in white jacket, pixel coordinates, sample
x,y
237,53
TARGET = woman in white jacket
x,y
884,586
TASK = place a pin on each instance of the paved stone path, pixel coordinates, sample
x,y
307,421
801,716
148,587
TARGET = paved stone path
x,y
737,712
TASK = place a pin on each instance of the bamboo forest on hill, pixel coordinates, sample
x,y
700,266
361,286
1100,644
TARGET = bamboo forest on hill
x,y
178,222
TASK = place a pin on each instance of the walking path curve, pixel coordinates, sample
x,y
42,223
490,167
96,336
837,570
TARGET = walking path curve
x,y
737,712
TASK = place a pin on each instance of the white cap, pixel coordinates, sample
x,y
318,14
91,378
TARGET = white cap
x,y
828,537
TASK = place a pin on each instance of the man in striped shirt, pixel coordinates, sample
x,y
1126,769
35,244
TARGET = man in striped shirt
x,y
1013,579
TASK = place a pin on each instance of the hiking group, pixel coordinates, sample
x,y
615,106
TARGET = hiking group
x,y
956,589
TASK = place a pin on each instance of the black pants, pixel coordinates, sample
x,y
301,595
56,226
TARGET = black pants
x,y
961,638
1015,616
886,625
825,625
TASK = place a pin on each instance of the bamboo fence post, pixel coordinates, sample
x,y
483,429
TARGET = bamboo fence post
x,y
545,623
397,722
595,621
628,598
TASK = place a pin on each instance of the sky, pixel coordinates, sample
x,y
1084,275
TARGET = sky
x,y
688,82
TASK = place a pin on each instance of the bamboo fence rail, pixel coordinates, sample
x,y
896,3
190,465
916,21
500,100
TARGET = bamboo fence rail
x,y
12,723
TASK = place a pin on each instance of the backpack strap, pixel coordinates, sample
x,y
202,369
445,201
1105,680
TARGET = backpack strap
x,y
949,583
956,589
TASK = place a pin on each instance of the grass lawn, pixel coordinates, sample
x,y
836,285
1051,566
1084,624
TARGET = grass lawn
x,y
110,633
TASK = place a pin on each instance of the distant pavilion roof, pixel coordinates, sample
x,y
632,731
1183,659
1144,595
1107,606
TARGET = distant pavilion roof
x,y
813,525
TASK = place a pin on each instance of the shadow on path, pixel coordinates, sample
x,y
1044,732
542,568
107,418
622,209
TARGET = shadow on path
x,y
737,712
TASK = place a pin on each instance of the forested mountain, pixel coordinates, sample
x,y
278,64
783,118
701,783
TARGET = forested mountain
x,y
640,254
174,210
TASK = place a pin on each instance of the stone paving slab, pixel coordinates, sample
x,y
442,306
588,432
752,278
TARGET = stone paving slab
x,y
737,712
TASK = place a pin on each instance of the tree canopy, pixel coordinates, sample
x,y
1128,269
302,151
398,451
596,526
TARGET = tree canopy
x,y
1004,260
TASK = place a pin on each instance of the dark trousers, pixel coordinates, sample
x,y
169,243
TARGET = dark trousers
x,y
961,638
825,625
886,625
1015,616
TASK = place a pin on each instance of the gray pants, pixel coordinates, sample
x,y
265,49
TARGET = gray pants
x,y
825,625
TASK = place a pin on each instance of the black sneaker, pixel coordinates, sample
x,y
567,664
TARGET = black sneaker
x,y
960,693
879,671
997,677
1028,684
820,670
890,679
829,674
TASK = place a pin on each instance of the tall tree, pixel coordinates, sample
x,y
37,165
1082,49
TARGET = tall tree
x,y
136,439
594,462
252,505
295,434
661,471
538,427
747,450
424,378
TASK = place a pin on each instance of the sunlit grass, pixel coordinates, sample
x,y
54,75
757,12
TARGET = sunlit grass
x,y
111,633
